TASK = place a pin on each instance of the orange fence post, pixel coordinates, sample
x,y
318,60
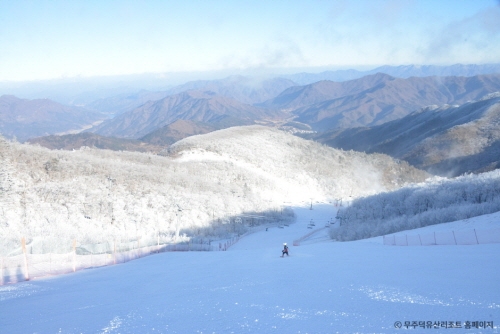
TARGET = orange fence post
x,y
139,253
23,245
74,255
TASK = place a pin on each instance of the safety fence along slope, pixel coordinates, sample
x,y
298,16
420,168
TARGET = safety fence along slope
x,y
30,261
449,237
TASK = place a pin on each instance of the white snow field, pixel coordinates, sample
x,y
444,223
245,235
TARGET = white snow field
x,y
323,287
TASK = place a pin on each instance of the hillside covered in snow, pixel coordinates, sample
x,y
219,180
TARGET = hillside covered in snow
x,y
199,189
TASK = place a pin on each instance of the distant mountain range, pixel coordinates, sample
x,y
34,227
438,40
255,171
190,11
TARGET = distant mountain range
x,y
243,89
125,102
207,107
300,96
446,140
324,105
376,99
85,91
25,119
403,71
253,90
246,90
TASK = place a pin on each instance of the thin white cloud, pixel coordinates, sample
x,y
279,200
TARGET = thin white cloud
x,y
282,53
475,38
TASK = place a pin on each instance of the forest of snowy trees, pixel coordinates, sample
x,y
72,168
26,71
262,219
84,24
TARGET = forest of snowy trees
x,y
215,185
439,200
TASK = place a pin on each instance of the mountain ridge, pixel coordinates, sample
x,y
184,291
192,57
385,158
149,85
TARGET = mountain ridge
x,y
200,106
446,140
24,119
388,99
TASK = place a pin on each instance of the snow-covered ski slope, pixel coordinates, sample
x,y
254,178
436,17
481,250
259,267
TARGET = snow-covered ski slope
x,y
323,287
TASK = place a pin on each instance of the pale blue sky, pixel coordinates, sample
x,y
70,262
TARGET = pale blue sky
x,y
55,39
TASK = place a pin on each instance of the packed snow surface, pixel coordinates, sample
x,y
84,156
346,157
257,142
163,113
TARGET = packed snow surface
x,y
323,287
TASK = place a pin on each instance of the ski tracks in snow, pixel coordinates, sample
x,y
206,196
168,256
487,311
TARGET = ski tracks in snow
x,y
12,291
395,295
115,323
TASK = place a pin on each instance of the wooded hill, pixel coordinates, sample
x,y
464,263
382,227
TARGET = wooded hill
x,y
198,190
446,140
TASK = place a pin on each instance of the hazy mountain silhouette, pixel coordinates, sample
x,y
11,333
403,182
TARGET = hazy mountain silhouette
x,y
402,71
23,119
125,102
241,88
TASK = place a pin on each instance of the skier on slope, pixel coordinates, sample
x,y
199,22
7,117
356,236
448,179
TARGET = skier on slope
x,y
285,250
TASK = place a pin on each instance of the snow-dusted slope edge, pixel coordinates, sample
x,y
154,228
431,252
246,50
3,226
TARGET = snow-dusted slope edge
x,y
437,201
97,195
